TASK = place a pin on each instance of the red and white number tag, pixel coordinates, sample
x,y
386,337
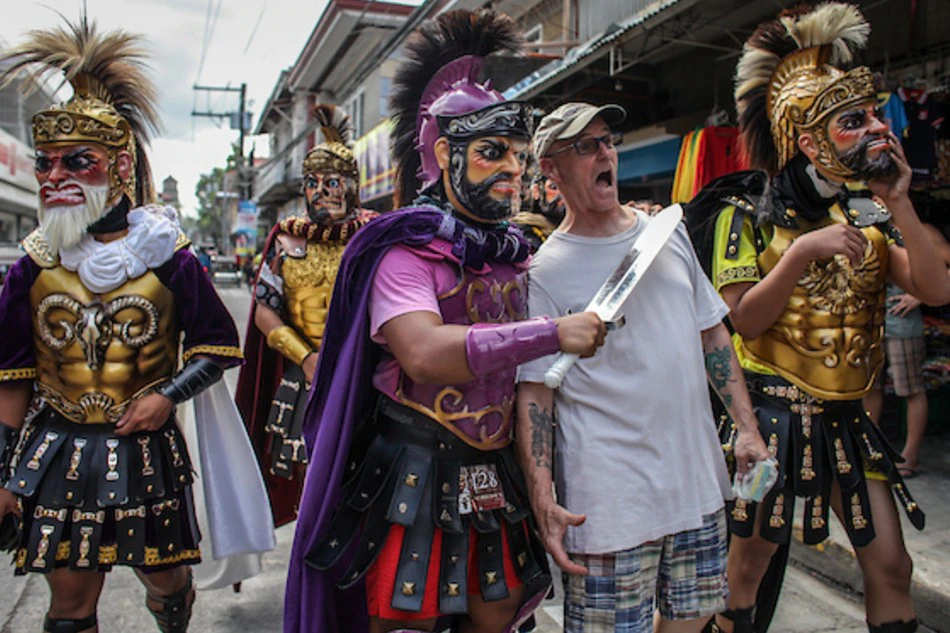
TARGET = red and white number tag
x,y
480,489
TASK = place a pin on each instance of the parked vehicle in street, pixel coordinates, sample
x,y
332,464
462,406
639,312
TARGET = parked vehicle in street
x,y
226,272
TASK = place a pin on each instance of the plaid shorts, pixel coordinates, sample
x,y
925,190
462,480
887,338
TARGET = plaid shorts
x,y
684,575
905,362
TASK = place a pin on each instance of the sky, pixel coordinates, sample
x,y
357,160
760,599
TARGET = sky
x,y
249,41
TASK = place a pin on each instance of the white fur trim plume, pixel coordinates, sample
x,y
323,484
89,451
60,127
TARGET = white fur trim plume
x,y
837,24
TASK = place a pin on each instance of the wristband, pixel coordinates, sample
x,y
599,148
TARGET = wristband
x,y
195,377
492,347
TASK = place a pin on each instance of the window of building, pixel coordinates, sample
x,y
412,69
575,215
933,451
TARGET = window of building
x,y
355,108
384,88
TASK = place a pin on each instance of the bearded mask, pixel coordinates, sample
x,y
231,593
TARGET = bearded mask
x,y
111,114
790,81
548,200
476,141
331,197
331,174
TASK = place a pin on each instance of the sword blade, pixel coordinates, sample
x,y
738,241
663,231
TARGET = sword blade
x,y
617,287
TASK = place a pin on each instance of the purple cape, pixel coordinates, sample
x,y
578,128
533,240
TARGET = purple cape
x,y
342,396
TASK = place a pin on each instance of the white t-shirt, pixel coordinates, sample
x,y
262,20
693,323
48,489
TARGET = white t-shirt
x,y
636,448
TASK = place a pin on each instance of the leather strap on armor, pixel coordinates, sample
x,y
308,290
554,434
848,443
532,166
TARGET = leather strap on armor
x,y
492,347
68,625
8,438
176,608
195,377
285,340
897,626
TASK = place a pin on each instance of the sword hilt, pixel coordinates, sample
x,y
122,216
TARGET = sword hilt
x,y
554,376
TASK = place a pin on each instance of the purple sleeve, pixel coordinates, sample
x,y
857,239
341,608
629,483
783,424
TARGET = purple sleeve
x,y
209,328
17,357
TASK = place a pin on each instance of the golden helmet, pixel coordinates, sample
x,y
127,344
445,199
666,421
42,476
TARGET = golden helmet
x,y
113,103
789,82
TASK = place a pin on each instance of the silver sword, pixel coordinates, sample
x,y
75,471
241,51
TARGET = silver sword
x,y
617,287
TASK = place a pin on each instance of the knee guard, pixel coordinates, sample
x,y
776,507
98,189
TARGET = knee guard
x,y
741,618
176,609
897,626
67,625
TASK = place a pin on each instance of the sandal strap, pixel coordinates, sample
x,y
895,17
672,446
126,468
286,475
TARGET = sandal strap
x,y
176,608
69,625
742,619
897,626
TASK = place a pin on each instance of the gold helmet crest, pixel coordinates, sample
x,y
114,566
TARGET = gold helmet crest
x,y
113,103
335,153
789,82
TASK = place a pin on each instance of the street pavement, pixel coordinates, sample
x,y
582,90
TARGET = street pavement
x,y
810,602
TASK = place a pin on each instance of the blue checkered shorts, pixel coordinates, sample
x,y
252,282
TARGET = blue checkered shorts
x,y
683,575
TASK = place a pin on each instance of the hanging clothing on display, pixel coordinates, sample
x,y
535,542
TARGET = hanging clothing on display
x,y
893,109
924,118
706,154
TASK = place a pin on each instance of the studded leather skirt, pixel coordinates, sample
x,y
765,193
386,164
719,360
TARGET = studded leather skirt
x,y
407,470
816,443
92,499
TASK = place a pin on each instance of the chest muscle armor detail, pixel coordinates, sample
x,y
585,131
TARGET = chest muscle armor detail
x,y
828,339
308,286
480,411
95,354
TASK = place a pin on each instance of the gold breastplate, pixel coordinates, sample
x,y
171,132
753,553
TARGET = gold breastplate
x,y
97,353
308,286
828,339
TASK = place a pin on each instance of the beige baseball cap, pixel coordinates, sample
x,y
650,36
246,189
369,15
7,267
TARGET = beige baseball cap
x,y
569,120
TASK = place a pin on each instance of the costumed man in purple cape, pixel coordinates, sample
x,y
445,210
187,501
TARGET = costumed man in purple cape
x,y
292,295
94,468
414,512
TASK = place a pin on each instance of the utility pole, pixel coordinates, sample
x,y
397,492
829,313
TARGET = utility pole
x,y
242,173
242,113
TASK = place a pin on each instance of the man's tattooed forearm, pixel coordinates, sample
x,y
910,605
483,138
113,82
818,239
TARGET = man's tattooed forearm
x,y
542,426
719,370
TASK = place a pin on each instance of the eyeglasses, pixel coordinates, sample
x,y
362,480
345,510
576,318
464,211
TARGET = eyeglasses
x,y
590,144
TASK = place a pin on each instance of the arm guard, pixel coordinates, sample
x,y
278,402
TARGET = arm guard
x,y
493,347
287,342
195,377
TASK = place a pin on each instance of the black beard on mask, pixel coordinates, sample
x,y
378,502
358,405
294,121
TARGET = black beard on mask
x,y
856,159
476,199
554,210
322,216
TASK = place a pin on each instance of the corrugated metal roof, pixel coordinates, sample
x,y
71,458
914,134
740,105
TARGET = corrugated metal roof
x,y
552,71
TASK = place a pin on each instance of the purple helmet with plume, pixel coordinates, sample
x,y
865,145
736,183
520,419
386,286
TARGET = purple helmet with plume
x,y
437,87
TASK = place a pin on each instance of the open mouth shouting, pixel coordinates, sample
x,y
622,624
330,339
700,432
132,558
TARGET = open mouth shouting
x,y
605,180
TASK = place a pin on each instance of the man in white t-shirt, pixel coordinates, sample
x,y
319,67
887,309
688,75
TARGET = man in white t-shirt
x,y
639,523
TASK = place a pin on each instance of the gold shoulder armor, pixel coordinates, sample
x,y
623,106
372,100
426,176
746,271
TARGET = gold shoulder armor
x,y
39,251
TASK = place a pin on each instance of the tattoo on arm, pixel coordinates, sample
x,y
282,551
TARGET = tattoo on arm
x,y
542,428
719,370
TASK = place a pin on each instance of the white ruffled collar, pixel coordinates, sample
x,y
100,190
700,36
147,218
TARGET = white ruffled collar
x,y
104,266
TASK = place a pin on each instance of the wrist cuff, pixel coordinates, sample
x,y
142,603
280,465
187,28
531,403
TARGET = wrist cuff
x,y
285,340
495,347
195,377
